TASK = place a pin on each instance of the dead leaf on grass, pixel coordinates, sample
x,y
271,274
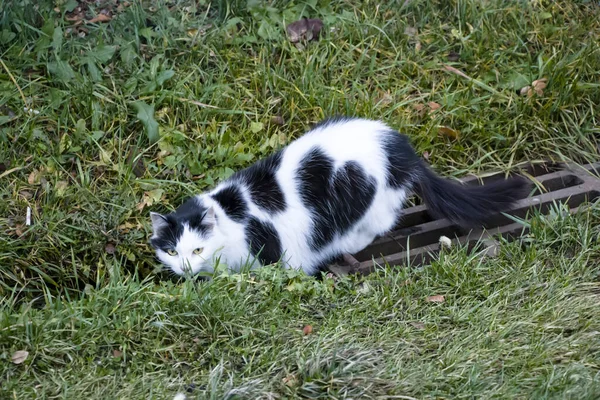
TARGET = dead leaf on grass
x,y
110,248
290,380
456,71
438,298
453,56
536,87
418,325
117,353
410,31
449,132
307,330
35,177
420,109
99,18
277,120
304,30
433,106
19,356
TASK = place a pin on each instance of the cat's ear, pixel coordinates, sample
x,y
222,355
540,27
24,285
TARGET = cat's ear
x,y
159,221
209,218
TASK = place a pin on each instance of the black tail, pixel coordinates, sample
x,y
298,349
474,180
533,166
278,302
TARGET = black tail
x,y
467,205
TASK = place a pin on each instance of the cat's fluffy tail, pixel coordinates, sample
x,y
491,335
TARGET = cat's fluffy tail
x,y
467,205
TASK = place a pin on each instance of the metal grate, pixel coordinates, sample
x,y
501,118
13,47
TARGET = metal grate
x,y
416,238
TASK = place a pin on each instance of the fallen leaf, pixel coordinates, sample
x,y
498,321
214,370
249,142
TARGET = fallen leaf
x,y
256,127
410,31
304,30
385,98
307,330
438,298
452,56
420,109
526,91
290,380
99,18
418,325
451,133
19,230
61,187
19,356
117,353
34,177
277,120
456,71
433,106
536,87
110,248
539,85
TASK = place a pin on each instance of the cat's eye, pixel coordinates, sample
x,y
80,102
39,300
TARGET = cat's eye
x,y
172,252
198,251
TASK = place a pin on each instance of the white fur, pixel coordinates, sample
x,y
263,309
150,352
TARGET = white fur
x,y
354,140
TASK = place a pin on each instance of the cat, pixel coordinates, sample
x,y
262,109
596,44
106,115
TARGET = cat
x,y
330,192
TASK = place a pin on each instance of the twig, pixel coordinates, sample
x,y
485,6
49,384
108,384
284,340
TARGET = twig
x,y
12,78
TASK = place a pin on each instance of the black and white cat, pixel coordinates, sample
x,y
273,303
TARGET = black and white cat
x,y
330,192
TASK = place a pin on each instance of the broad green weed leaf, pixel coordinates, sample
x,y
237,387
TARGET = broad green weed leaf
x,y
164,76
146,116
6,36
102,53
256,127
94,71
57,38
61,70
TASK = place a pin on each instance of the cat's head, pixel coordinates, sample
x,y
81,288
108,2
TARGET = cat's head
x,y
187,240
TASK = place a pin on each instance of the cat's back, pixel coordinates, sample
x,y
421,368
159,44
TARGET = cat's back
x,y
340,140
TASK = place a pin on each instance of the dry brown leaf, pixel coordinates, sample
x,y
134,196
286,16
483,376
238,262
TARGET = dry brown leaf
x,y
110,248
19,356
117,353
410,31
418,325
433,106
304,29
536,87
290,380
420,109
307,330
453,56
99,18
456,71
438,298
277,120
34,177
449,132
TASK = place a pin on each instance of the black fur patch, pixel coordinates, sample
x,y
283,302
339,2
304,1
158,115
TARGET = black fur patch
x,y
231,200
191,213
263,240
337,199
261,182
402,160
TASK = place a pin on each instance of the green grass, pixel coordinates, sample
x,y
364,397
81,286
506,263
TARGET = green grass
x,y
98,323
